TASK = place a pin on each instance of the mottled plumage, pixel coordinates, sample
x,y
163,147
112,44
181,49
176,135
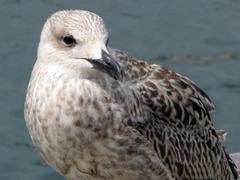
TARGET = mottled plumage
x,y
134,121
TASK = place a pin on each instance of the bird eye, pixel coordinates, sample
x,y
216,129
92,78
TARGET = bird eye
x,y
69,40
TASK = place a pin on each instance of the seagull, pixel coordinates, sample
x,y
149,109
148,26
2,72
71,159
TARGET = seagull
x,y
97,113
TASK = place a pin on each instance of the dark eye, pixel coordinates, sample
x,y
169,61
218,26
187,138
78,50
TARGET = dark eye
x,y
69,40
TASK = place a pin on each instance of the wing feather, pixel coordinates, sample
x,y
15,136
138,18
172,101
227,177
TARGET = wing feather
x,y
178,122
162,88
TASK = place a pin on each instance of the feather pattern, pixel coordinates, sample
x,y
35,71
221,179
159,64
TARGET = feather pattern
x,y
118,118
178,125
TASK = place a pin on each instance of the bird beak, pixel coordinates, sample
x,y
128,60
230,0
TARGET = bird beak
x,y
108,65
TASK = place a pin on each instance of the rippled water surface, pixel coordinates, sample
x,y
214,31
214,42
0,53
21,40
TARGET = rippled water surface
x,y
200,39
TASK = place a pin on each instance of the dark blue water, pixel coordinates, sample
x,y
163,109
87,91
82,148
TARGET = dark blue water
x,y
200,39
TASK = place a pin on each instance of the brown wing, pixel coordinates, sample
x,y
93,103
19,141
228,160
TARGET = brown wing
x,y
162,79
178,122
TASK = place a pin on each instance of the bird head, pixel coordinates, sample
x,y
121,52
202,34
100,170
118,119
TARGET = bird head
x,y
77,39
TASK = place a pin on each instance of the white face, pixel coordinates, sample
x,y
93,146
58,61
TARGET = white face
x,y
77,39
72,35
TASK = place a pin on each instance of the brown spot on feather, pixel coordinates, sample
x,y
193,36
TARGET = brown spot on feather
x,y
77,123
151,84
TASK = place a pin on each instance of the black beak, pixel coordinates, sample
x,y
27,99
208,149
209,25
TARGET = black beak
x,y
108,65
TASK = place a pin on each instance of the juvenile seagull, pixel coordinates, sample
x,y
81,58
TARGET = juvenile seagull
x,y
96,113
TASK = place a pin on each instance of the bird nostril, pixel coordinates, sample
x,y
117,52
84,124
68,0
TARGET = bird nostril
x,y
108,63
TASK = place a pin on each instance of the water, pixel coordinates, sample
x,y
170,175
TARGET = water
x,y
200,39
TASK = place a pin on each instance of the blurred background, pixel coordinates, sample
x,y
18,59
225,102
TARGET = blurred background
x,y
200,39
